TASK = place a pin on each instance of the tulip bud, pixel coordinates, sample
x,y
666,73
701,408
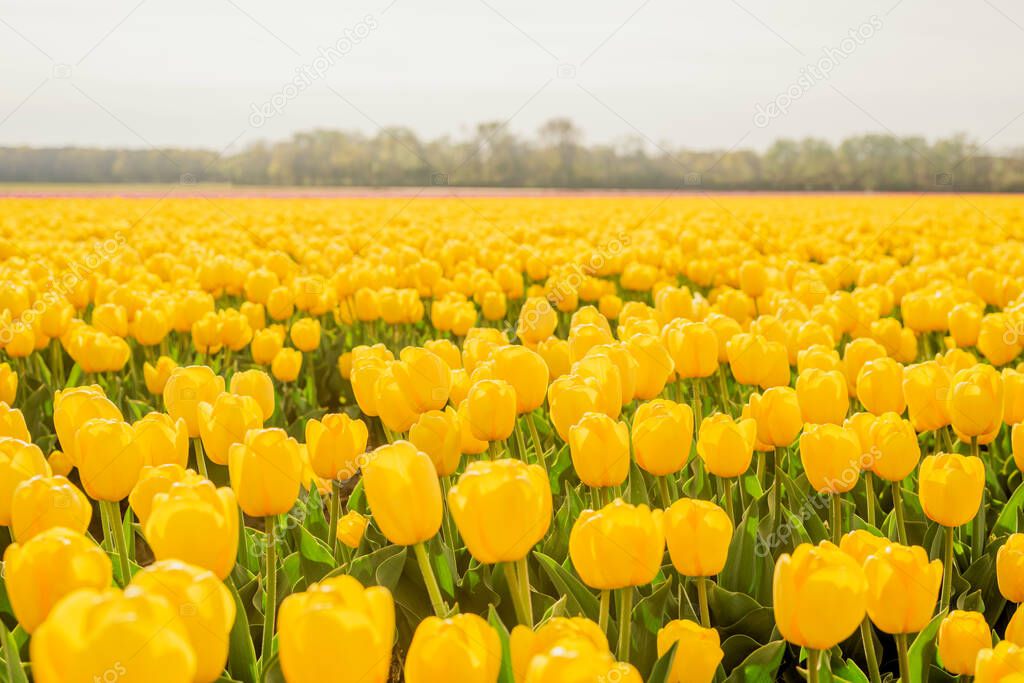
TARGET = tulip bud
x,y
698,650
338,615
286,365
437,433
164,440
351,527
491,410
44,502
403,493
662,435
463,647
860,545
41,570
693,348
257,385
975,401
596,549
726,446
186,388
950,487
93,630
925,388
1000,664
903,588
174,517
483,495
266,471
822,396
819,596
962,635
895,448
225,422
1010,568
698,534
599,447
880,386
778,417
831,457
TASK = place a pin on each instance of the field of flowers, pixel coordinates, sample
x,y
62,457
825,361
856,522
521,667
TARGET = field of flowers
x,y
526,440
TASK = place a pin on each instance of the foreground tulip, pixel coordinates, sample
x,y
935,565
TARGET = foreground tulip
x,y
962,635
404,495
903,588
133,635
165,441
662,434
109,458
12,423
698,651
578,661
1000,664
726,446
819,595
52,564
461,648
356,624
43,502
204,605
1010,568
698,534
186,388
175,515
525,643
154,480
950,486
822,396
599,447
491,410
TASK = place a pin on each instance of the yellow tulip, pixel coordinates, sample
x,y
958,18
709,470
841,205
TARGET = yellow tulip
x,y
257,385
44,502
335,443
135,635
186,388
903,588
480,501
950,487
1000,664
12,423
305,334
156,376
265,344
925,388
491,409
525,644
438,434
174,517
962,635
819,595
698,651
526,372
756,361
831,457
165,441
822,396
286,365
726,446
154,480
1010,568
555,353
895,449
351,527
403,492
693,348
337,615
698,534
880,386
778,416
599,447
463,647
39,571
860,544
8,384
578,661
975,401
662,435
74,407
266,472
598,539
654,365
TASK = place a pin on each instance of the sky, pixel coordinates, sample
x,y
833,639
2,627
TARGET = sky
x,y
222,74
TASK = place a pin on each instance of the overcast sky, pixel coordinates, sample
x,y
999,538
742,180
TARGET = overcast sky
x,y
718,74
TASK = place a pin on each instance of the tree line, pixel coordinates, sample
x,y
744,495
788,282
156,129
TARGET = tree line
x,y
555,156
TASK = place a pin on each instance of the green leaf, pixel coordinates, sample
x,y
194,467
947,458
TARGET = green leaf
x,y
14,671
761,665
922,651
505,674
364,567
581,600
242,653
1006,522
737,575
315,557
663,668
390,570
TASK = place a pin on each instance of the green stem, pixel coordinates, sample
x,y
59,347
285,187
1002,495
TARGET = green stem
x,y
492,450
516,594
520,441
897,502
602,619
332,530
451,531
869,650
625,622
947,570
433,590
666,497
702,601
12,673
813,663
108,540
270,599
200,457
523,572
777,483
837,518
901,648
869,497
978,537
113,511
535,437
727,494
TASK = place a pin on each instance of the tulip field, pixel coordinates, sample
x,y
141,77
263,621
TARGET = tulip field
x,y
592,439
